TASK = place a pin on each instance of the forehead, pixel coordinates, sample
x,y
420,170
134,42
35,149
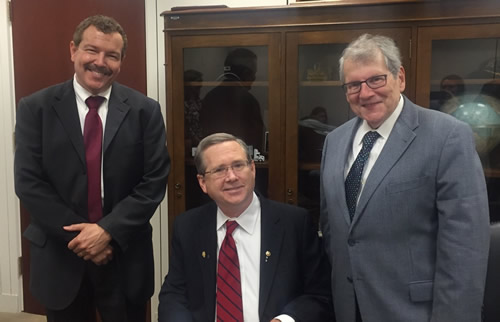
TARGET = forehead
x,y
224,153
92,34
355,70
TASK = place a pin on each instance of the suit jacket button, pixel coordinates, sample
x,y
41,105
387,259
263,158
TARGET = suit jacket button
x,y
351,242
349,279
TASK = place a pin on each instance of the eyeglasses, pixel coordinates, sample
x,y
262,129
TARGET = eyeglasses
x,y
221,172
372,82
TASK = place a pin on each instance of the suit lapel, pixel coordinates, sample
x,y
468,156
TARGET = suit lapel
x,y
272,232
67,111
337,159
344,150
207,254
400,138
117,109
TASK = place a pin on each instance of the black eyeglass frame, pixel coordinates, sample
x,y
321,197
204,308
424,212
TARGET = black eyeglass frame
x,y
367,81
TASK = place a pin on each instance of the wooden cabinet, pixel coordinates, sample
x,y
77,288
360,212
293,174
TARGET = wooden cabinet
x,y
224,83
462,78
295,84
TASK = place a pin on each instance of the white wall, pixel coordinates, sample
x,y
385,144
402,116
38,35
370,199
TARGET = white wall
x,y
10,246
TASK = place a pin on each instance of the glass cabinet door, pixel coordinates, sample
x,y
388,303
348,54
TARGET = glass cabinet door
x,y
316,104
462,78
226,86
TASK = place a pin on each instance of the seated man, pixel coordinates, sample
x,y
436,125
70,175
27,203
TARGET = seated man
x,y
271,267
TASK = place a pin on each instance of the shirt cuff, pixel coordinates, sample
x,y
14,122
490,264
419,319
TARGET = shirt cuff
x,y
285,318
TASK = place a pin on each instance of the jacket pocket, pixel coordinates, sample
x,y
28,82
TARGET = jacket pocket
x,y
410,184
35,235
421,291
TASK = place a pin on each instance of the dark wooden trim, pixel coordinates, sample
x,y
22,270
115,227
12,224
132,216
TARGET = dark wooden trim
x,y
320,14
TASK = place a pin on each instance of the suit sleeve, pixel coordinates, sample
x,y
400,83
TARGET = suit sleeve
x,y
33,187
315,304
463,234
135,210
173,304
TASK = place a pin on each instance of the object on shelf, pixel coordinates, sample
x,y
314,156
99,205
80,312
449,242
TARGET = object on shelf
x,y
316,73
257,156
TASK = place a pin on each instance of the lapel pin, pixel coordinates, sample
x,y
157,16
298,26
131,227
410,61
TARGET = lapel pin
x,y
268,254
203,254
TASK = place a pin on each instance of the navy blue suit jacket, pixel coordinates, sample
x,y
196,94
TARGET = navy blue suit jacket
x,y
293,281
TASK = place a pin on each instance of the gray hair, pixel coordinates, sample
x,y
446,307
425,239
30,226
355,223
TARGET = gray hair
x,y
214,139
366,49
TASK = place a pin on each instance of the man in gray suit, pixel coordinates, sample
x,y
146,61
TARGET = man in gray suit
x,y
405,224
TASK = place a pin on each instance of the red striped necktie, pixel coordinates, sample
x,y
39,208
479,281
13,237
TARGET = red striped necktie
x,y
229,303
92,137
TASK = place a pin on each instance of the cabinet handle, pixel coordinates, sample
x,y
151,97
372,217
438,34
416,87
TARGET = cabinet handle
x,y
178,186
289,192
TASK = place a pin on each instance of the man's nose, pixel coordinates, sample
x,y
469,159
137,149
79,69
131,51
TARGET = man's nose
x,y
365,90
231,175
99,60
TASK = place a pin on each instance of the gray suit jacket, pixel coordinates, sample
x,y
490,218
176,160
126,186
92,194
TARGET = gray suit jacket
x,y
418,245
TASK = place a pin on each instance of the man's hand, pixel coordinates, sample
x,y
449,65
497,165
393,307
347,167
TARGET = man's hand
x,y
103,257
91,243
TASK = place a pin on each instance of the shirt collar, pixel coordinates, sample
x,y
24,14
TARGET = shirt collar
x,y
385,128
82,94
248,218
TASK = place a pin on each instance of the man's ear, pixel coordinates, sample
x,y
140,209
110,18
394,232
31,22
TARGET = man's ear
x,y
402,79
72,50
201,182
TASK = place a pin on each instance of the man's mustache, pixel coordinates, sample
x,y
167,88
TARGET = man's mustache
x,y
100,69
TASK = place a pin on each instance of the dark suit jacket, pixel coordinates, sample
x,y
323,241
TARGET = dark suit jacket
x,y
51,181
294,280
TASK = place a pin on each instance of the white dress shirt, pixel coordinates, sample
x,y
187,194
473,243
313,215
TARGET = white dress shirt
x,y
384,131
81,95
247,237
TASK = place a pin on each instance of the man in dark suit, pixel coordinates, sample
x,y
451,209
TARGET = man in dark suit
x,y
408,241
90,233
284,274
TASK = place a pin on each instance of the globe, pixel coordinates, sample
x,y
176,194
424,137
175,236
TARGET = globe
x,y
484,121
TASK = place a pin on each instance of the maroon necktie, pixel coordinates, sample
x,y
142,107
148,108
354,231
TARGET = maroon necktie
x,y
229,304
92,137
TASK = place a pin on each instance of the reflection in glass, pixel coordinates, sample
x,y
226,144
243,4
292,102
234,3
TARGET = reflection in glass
x,y
321,108
192,107
225,90
231,107
471,93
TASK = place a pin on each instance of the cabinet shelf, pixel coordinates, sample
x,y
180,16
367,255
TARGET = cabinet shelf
x,y
308,166
492,173
472,81
226,84
320,83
